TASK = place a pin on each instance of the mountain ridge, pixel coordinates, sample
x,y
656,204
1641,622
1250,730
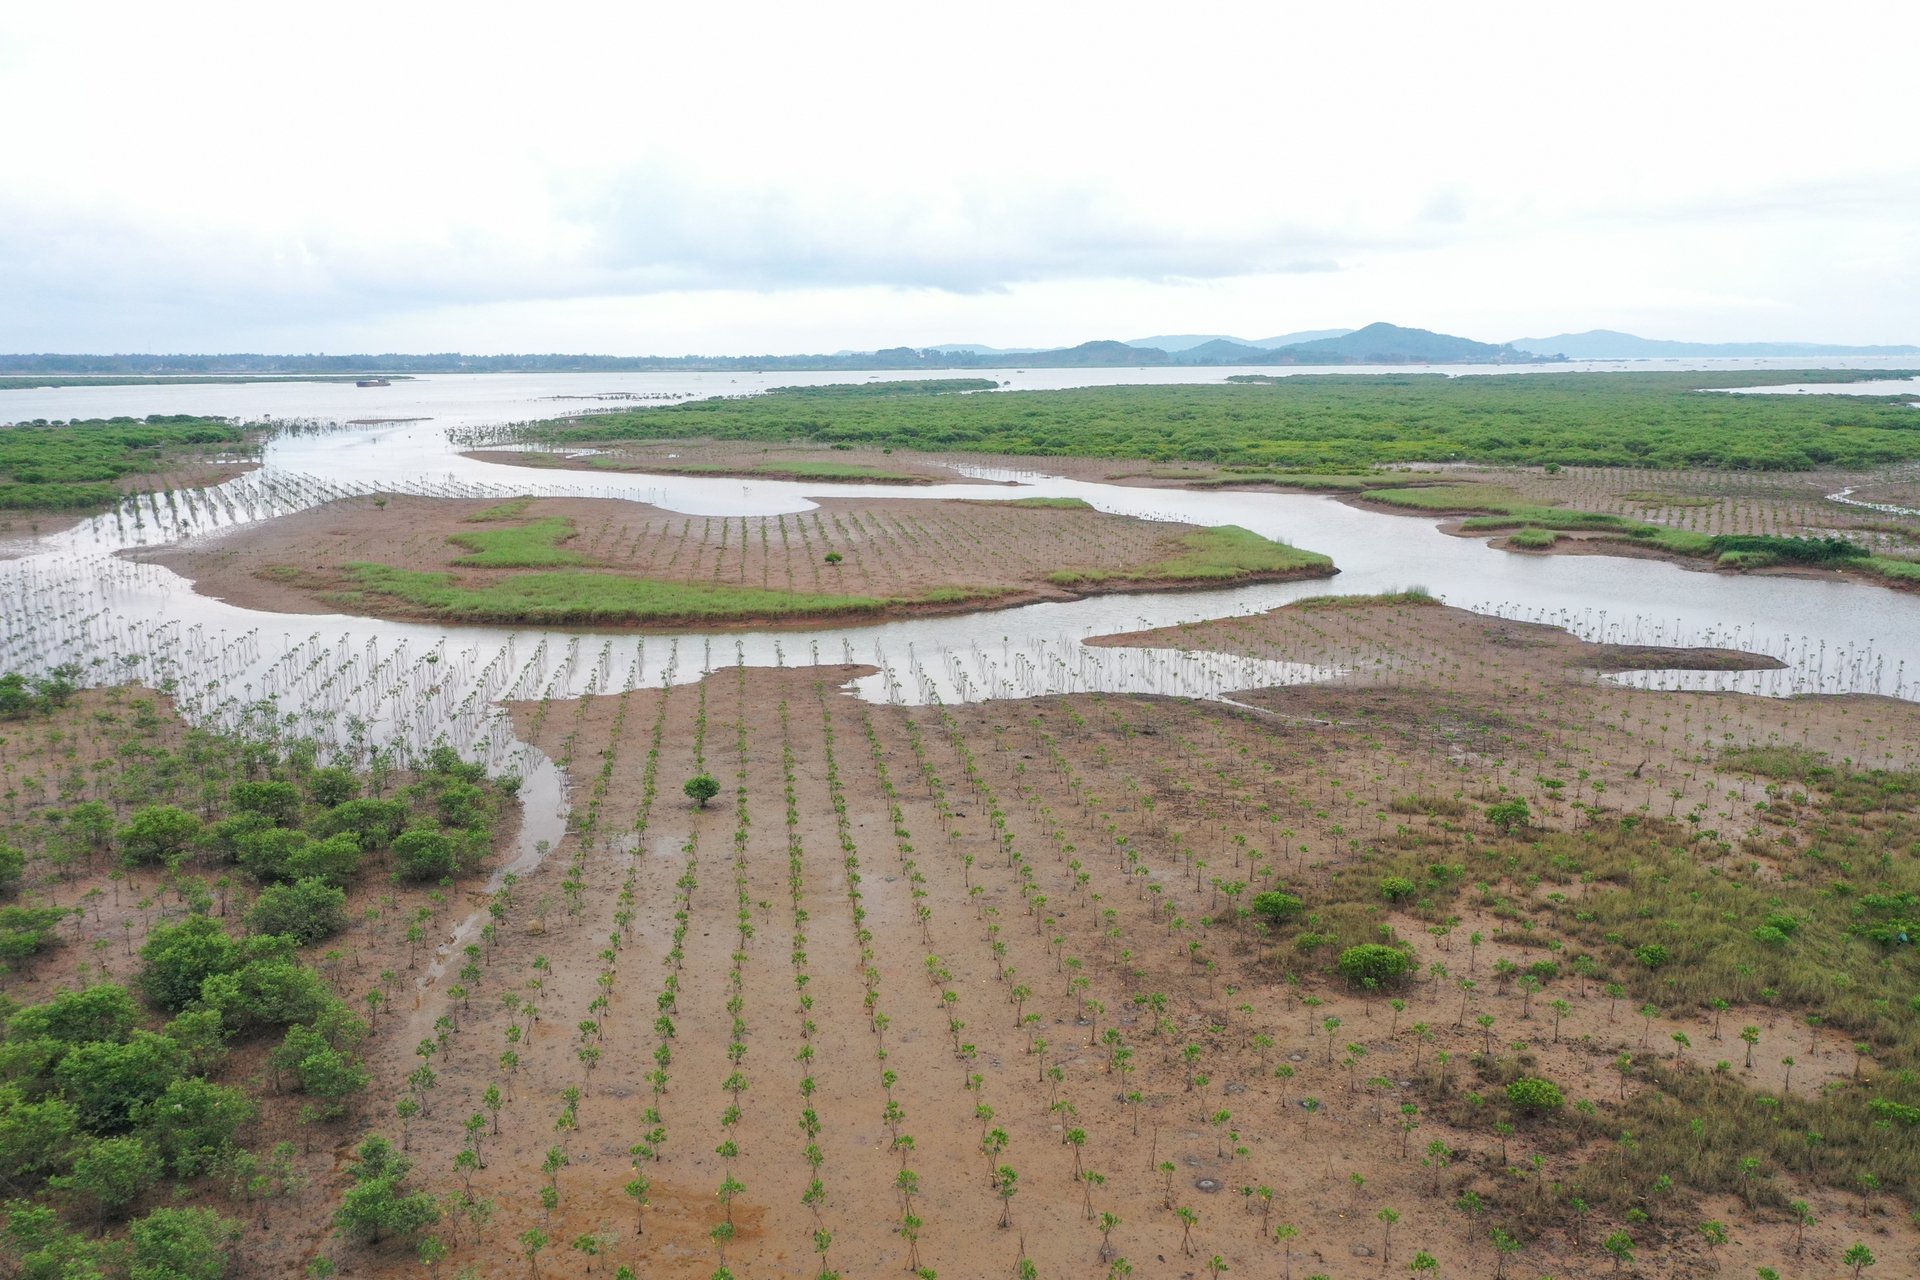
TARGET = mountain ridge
x,y
1611,344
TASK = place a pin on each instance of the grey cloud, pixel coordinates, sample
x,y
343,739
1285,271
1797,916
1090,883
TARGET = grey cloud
x,y
643,232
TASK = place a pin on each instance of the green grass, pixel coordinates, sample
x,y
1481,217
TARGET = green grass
x,y
843,471
1533,539
1890,567
579,597
1410,596
1490,499
1684,542
1052,504
527,546
1226,553
1332,425
511,509
1311,481
80,466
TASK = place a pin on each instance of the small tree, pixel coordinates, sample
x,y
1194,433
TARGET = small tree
x,y
183,1244
1509,815
702,788
1620,1245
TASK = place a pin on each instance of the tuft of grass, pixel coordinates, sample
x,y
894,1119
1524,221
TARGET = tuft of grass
x,y
527,546
1679,541
1220,554
511,509
1312,481
1489,499
1533,538
841,471
1434,806
1411,595
1051,504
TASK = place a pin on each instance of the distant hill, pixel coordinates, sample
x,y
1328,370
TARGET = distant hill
x,y
1392,344
1097,355
1375,344
1293,339
1180,343
1222,351
1609,344
1175,343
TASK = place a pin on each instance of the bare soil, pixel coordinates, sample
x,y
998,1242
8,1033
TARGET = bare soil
x,y
1438,703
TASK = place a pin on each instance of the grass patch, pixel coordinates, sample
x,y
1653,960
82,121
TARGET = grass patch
x,y
511,509
1412,596
1431,805
1051,504
1890,567
1221,554
1313,481
571,598
80,466
527,546
842,471
1683,542
1490,499
1532,538
1653,498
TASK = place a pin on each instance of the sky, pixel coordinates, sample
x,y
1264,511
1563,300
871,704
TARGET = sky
x,y
719,178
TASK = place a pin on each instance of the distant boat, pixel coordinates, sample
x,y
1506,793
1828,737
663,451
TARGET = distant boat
x,y
373,382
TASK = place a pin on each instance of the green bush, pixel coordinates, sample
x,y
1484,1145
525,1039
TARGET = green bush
x,y
107,1082
182,1244
278,801
425,854
273,992
104,1011
1373,965
1277,907
193,1123
374,823
158,832
306,910
1530,1093
1652,955
333,786
177,958
1398,888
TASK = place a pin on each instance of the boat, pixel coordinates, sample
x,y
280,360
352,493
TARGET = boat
x,y
372,382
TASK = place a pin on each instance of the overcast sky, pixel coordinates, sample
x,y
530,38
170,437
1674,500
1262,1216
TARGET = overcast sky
x,y
644,178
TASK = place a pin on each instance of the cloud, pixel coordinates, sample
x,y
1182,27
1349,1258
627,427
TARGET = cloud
x,y
646,230
217,168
